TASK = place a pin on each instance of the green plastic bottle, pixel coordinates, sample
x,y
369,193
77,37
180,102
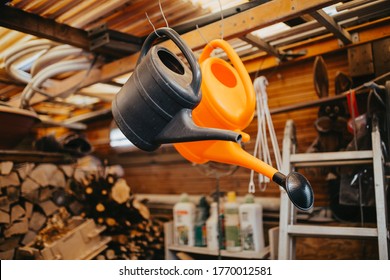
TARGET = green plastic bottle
x,y
202,213
232,224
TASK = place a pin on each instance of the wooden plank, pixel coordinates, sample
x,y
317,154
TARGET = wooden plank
x,y
332,231
322,45
332,26
236,26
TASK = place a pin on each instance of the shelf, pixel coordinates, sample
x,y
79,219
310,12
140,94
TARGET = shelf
x,y
171,249
35,156
331,158
332,231
205,251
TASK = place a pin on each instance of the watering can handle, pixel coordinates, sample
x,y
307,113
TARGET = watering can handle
x,y
237,63
187,52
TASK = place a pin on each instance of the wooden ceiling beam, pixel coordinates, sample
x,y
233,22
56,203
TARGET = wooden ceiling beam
x,y
234,26
262,45
17,19
322,44
330,24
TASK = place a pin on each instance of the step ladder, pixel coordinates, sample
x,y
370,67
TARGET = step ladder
x,y
288,226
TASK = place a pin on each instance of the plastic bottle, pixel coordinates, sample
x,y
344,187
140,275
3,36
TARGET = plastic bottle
x,y
232,224
251,222
202,213
212,228
183,221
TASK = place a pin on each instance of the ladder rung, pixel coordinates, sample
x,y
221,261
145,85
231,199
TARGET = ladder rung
x,y
331,231
331,158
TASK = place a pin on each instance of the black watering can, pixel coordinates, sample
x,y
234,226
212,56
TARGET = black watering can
x,y
155,105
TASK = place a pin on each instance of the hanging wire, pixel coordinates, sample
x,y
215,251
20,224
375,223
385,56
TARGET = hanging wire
x,y
162,13
204,39
154,28
222,22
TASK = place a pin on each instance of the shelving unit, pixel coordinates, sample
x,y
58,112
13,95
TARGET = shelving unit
x,y
36,157
171,249
288,223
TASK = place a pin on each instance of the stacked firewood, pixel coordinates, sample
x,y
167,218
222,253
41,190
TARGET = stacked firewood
x,y
31,194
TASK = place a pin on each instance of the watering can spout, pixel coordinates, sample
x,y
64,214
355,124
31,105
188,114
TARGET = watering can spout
x,y
295,184
182,129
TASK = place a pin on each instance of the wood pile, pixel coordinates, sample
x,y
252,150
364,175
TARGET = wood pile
x,y
31,194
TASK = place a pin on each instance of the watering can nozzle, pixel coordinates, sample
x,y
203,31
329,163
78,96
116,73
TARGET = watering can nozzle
x,y
298,189
183,129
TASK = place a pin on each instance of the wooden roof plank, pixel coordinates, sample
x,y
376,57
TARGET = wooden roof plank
x,y
330,24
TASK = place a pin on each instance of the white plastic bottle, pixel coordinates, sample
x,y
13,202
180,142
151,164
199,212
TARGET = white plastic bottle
x,y
212,228
251,222
232,224
183,221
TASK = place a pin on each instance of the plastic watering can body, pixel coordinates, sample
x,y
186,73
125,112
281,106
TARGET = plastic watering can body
x,y
155,105
228,102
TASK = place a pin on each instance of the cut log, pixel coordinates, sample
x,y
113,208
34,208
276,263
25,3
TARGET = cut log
x,y
29,186
6,167
67,169
48,207
58,179
115,171
141,208
13,193
18,228
48,175
4,204
28,237
45,193
37,221
120,192
17,212
29,209
5,218
11,179
25,169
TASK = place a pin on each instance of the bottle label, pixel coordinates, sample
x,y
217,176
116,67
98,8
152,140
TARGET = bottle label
x,y
247,238
232,236
232,219
182,234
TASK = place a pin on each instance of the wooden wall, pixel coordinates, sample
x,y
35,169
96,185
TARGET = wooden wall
x,y
166,172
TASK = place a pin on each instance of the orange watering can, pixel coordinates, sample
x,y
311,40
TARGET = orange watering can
x,y
228,102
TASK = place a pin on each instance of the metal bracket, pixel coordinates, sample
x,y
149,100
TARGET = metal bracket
x,y
289,55
355,39
98,36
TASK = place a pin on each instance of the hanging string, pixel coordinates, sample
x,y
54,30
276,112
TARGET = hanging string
x,y
222,21
162,13
154,28
204,39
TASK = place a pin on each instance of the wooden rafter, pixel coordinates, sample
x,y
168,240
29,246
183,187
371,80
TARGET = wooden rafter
x,y
236,26
330,24
323,44
262,45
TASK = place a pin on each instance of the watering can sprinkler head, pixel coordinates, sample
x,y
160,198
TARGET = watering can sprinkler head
x,y
298,189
